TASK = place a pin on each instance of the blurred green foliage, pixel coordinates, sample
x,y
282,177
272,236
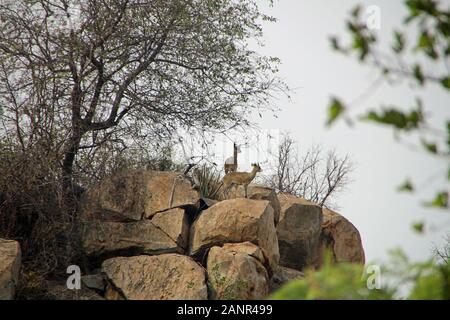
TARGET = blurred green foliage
x,y
426,280
414,60
419,53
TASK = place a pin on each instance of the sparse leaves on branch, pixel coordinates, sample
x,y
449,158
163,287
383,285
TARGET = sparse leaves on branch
x,y
422,61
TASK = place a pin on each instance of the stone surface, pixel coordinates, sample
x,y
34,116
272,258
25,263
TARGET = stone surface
x,y
93,281
103,239
174,223
299,231
10,263
59,291
342,238
282,275
134,195
246,248
162,277
235,274
258,192
236,220
339,235
205,203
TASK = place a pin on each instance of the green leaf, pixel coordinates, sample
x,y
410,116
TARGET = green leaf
x,y
447,50
334,41
399,42
425,40
413,8
448,134
446,82
389,117
430,147
440,200
335,109
418,227
418,74
406,186
426,43
356,11
396,118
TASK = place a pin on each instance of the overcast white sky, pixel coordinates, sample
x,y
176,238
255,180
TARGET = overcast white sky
x,y
383,216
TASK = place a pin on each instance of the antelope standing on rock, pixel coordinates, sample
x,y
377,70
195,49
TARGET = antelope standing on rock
x,y
240,178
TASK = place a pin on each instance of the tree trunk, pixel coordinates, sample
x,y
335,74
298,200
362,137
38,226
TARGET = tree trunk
x,y
67,166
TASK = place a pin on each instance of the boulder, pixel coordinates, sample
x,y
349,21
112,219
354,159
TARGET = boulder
x,y
134,195
236,220
258,192
338,235
282,275
162,277
299,231
173,222
10,262
59,291
93,281
235,272
167,232
247,248
342,238
205,203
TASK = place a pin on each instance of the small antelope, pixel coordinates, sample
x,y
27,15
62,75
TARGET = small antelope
x,y
240,178
231,162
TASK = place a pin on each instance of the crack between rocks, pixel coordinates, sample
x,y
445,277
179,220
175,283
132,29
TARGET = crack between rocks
x,y
168,236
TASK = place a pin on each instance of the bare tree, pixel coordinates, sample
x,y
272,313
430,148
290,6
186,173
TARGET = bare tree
x,y
78,74
88,87
315,176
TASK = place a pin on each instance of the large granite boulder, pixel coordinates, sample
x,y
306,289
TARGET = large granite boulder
x,y
10,262
258,192
236,220
235,271
298,231
340,237
167,232
134,195
162,277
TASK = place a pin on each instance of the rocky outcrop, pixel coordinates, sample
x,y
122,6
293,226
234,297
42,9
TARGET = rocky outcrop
x,y
155,238
236,220
340,237
299,231
258,192
235,271
162,277
10,262
135,195
283,275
